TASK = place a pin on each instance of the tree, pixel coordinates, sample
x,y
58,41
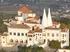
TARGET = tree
x,y
54,44
30,49
2,50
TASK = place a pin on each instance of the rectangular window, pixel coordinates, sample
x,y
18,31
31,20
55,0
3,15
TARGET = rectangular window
x,y
14,33
18,34
40,34
30,39
57,34
52,34
29,35
10,33
63,35
22,34
48,34
26,34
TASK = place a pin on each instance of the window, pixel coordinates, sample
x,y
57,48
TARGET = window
x,y
14,33
26,41
64,51
33,35
57,34
44,40
10,33
3,37
33,28
63,41
26,34
30,39
52,34
63,35
3,41
11,40
47,34
38,34
36,37
18,34
29,35
40,37
22,34
16,41
21,41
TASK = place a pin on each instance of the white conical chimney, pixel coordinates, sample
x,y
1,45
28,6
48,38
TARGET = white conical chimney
x,y
49,18
44,19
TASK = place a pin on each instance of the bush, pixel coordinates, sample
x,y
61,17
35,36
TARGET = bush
x,y
54,44
2,50
30,49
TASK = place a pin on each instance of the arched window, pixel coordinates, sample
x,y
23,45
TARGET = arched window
x,y
26,41
18,34
3,41
16,41
64,51
33,28
52,34
63,35
14,33
44,40
21,41
11,40
22,34
57,34
30,39
48,34
10,33
26,34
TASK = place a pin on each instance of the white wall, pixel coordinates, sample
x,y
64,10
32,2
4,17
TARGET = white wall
x,y
15,37
65,37
53,31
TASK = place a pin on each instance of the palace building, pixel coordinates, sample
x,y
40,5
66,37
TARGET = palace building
x,y
26,29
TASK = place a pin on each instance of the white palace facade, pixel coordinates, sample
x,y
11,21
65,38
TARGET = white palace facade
x,y
26,29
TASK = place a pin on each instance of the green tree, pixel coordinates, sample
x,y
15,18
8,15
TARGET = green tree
x,y
30,49
2,50
54,44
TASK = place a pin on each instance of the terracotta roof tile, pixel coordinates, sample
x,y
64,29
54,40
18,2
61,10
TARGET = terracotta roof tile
x,y
56,23
37,30
25,26
31,31
64,30
29,21
36,17
52,28
25,9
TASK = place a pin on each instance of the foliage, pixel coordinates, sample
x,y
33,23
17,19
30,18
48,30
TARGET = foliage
x,y
2,50
3,27
30,49
65,22
54,44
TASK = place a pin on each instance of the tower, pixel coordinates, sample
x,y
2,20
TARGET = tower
x,y
44,19
49,18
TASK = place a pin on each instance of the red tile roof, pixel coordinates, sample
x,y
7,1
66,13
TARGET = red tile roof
x,y
37,30
31,31
64,30
25,26
25,9
29,21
